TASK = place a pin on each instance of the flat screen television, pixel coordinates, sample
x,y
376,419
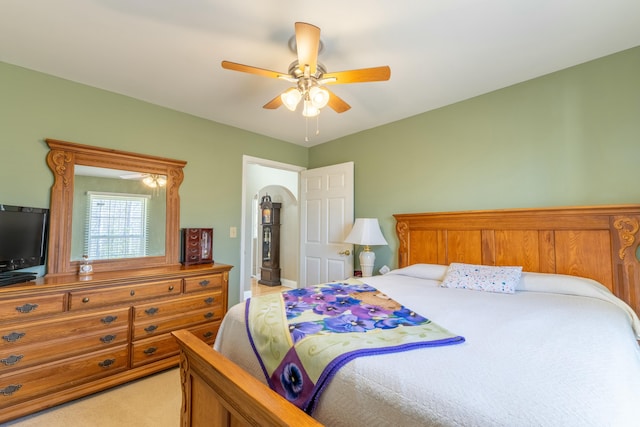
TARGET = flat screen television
x,y
23,237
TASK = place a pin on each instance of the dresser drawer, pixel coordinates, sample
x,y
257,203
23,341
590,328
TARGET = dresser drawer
x,y
82,299
23,356
39,380
207,332
30,307
152,349
157,309
60,327
148,328
201,283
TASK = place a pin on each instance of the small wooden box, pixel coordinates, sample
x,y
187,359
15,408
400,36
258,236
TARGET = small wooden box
x,y
197,246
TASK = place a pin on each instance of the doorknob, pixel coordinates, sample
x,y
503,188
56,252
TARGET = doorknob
x,y
346,252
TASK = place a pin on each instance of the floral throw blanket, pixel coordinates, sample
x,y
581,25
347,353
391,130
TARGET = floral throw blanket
x,y
303,336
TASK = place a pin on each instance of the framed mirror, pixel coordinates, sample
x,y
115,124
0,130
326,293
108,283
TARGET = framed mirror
x,y
87,182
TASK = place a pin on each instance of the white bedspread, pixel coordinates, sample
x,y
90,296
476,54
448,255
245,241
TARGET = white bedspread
x,y
561,351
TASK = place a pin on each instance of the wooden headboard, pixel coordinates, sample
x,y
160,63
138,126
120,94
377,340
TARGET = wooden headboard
x,y
598,242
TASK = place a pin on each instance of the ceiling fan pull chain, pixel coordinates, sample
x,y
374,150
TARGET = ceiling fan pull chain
x,y
317,125
306,129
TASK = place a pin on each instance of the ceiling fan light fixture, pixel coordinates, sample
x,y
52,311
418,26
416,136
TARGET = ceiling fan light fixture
x,y
291,98
319,96
309,110
149,181
310,76
155,181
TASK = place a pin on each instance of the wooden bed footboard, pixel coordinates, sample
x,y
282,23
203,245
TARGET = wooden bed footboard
x,y
217,392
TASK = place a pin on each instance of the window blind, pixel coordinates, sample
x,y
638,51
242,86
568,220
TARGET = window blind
x,y
117,226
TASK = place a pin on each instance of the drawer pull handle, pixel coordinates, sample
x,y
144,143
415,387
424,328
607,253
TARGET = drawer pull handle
x,y
107,338
9,390
85,300
209,300
171,288
132,293
204,282
208,334
209,315
151,311
150,328
109,319
27,308
106,363
149,351
13,336
11,360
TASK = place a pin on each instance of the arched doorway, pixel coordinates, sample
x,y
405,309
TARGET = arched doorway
x,y
289,233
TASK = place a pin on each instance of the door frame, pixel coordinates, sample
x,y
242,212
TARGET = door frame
x,y
245,252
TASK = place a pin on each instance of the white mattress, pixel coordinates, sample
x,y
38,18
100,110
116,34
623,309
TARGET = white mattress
x,y
561,351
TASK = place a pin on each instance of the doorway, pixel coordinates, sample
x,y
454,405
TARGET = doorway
x,y
280,181
315,220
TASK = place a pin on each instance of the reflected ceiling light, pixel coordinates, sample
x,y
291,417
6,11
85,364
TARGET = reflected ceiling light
x,y
155,181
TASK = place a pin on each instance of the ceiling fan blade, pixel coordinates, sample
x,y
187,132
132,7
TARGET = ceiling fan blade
x,y
274,103
307,45
362,75
135,175
251,70
336,103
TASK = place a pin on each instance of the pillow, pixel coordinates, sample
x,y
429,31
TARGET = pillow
x,y
422,271
482,277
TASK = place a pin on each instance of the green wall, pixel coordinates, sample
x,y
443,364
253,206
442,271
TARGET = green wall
x,y
35,106
567,138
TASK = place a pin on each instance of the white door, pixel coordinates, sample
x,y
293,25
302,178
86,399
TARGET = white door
x,y
326,217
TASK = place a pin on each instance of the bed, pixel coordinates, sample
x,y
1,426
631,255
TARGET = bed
x,y
561,350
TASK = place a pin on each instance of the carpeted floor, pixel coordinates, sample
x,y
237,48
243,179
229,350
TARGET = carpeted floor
x,y
152,401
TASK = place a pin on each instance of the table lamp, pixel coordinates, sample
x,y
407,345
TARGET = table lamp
x,y
366,232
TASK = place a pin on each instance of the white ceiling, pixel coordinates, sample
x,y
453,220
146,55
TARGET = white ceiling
x,y
168,52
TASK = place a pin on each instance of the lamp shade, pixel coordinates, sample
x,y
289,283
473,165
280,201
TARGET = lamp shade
x,y
366,232
291,98
319,97
308,109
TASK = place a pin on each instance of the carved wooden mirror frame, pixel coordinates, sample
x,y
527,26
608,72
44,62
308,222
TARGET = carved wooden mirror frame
x,y
62,158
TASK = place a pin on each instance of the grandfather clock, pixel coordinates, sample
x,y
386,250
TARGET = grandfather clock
x,y
270,270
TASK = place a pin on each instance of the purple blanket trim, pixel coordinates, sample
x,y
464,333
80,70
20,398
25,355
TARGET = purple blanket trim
x,y
255,350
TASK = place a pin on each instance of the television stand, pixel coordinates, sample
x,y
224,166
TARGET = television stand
x,y
12,277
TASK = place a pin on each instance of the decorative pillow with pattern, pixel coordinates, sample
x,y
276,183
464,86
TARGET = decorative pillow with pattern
x,y
482,277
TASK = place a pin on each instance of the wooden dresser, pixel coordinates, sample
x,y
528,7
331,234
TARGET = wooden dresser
x,y
64,337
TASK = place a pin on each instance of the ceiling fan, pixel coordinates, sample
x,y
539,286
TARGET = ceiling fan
x,y
310,76
152,180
